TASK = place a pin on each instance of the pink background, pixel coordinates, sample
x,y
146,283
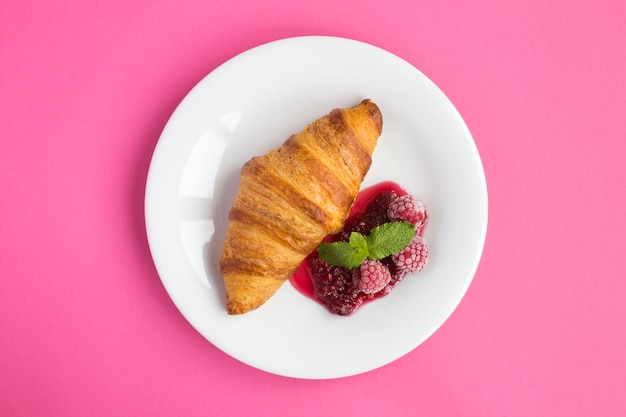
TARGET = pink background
x,y
86,328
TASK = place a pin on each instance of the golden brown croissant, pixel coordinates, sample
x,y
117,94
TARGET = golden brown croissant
x,y
291,198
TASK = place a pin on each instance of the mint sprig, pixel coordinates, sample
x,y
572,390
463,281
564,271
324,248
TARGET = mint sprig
x,y
383,240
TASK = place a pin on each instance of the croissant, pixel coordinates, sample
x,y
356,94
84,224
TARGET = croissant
x,y
291,198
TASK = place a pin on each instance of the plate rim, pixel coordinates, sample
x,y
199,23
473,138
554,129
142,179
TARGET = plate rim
x,y
233,61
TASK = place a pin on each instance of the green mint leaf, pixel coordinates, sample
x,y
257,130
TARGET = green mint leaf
x,y
383,240
342,254
359,244
389,238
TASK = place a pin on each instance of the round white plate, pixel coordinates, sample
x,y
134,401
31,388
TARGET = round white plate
x,y
251,104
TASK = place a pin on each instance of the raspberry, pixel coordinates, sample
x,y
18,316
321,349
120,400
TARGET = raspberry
x,y
375,215
409,208
334,287
413,257
372,276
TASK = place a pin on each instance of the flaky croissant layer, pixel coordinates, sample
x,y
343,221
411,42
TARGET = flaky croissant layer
x,y
291,198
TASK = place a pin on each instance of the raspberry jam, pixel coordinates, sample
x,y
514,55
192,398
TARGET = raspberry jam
x,y
333,286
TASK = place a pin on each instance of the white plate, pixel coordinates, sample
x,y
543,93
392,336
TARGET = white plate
x,y
250,105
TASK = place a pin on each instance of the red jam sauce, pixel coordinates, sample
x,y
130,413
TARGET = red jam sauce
x,y
332,286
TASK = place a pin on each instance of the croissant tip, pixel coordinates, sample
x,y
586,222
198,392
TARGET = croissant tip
x,y
236,307
235,311
370,105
